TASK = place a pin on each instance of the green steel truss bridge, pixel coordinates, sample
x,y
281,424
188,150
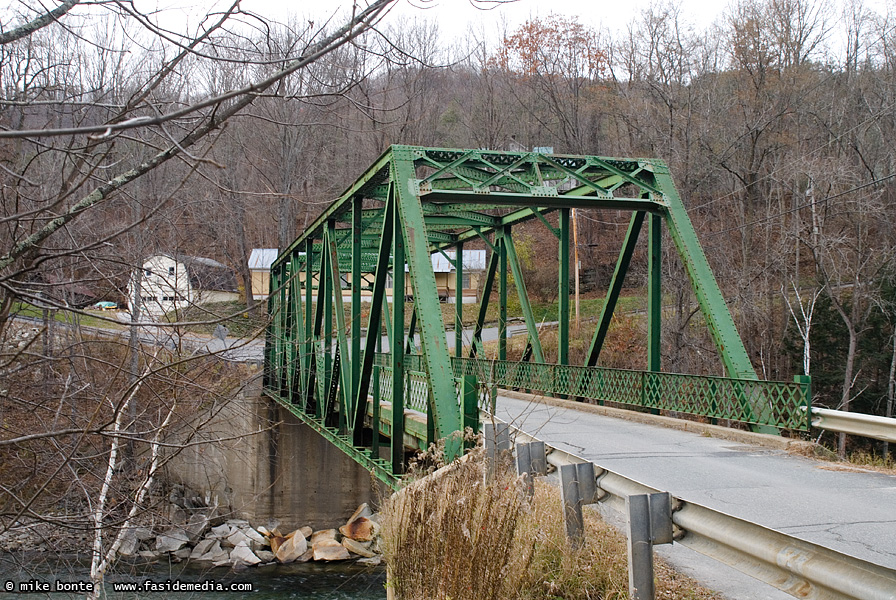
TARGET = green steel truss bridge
x,y
334,285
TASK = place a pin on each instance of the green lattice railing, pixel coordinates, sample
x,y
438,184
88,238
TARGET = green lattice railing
x,y
772,403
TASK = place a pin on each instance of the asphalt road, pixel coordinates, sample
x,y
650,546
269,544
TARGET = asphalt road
x,y
844,508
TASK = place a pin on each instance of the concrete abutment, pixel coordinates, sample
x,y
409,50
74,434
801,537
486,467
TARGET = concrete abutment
x,y
265,465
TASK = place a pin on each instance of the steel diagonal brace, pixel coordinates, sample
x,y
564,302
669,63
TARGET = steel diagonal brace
x,y
472,177
551,228
440,168
531,326
606,313
505,172
630,177
599,191
476,344
373,325
437,361
336,286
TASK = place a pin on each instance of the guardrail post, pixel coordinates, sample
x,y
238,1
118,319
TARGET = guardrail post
x,y
577,488
531,460
649,523
496,437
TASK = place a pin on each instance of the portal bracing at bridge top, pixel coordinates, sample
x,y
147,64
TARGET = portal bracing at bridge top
x,y
332,295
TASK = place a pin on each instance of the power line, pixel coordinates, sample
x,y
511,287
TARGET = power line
x,y
802,206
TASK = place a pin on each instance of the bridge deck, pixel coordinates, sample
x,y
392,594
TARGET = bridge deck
x,y
844,508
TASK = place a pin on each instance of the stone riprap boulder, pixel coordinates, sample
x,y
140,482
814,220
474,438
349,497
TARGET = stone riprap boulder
x,y
204,537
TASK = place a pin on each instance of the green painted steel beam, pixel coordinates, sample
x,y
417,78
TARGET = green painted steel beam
x,y
502,293
563,299
463,212
709,296
547,200
399,247
344,376
357,238
551,228
307,346
374,320
454,221
654,291
622,264
528,316
447,418
476,346
459,301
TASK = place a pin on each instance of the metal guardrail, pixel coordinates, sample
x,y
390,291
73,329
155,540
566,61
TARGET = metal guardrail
x,y
797,567
779,404
870,426
770,403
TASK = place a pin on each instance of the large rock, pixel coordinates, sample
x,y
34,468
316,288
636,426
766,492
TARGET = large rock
x,y
257,541
265,555
242,553
202,547
323,534
220,532
276,542
309,554
238,537
360,548
291,549
182,554
224,561
198,524
362,511
129,543
305,531
216,554
373,561
361,529
172,540
326,549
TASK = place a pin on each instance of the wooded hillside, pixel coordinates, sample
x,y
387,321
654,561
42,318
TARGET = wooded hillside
x,y
779,135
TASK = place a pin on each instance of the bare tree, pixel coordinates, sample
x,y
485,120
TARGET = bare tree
x,y
109,122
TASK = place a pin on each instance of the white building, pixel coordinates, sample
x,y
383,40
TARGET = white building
x,y
168,282
260,261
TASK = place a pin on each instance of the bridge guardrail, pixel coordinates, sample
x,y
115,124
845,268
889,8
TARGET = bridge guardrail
x,y
776,403
870,426
773,403
716,397
800,568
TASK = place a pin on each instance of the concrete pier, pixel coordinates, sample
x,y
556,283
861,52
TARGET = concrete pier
x,y
266,466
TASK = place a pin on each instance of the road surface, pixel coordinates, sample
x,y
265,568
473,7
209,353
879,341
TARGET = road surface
x,y
848,509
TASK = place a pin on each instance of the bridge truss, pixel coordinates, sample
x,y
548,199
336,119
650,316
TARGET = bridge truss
x,y
332,295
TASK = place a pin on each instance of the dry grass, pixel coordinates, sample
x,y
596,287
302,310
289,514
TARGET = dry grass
x,y
455,537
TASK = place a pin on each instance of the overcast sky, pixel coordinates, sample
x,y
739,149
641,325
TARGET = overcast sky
x,y
455,17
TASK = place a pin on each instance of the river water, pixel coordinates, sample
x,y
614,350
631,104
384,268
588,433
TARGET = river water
x,y
30,577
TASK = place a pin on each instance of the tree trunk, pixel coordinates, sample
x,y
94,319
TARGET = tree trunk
x,y
891,392
846,396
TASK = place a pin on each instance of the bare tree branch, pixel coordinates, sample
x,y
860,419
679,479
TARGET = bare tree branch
x,y
38,23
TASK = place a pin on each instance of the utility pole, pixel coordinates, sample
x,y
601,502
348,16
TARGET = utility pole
x,y
575,244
